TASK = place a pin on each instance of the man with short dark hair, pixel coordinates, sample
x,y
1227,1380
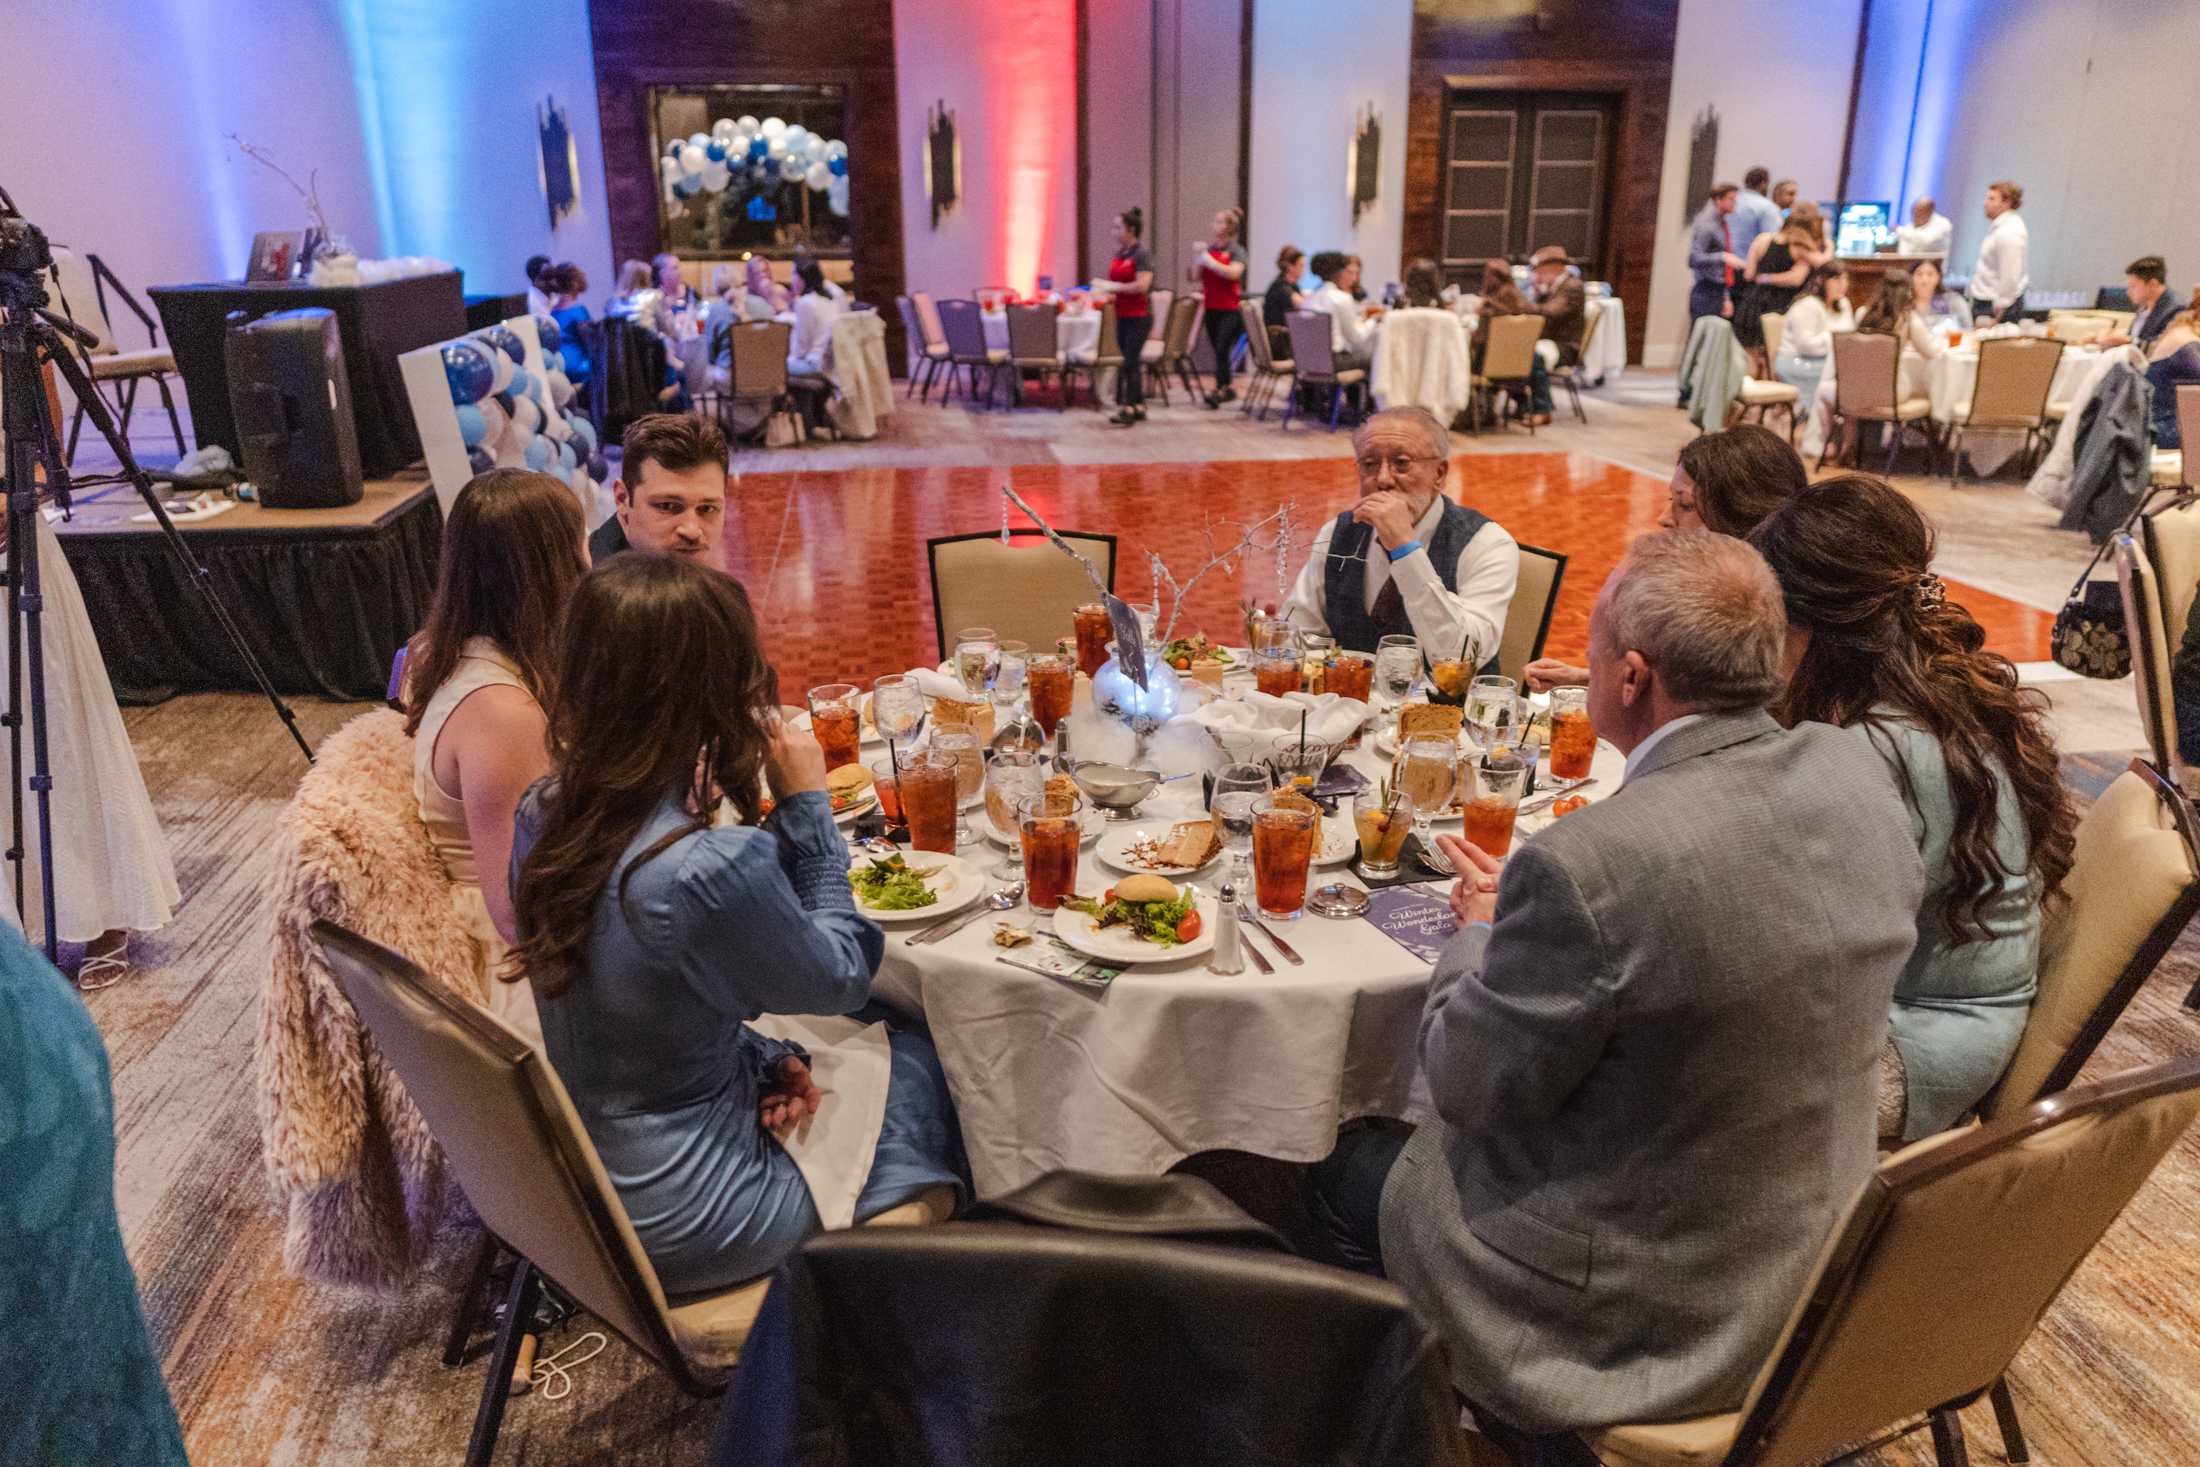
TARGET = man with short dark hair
x,y
1712,255
1783,196
2153,307
1999,278
671,490
1650,1047
1754,212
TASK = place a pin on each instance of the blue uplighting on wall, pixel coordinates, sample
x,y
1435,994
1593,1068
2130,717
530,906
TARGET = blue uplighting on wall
x,y
424,67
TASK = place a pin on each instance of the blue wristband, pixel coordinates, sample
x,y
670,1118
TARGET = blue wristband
x,y
1405,550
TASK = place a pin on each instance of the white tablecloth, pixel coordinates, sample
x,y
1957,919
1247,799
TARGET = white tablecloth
x,y
1952,378
1077,336
1172,1059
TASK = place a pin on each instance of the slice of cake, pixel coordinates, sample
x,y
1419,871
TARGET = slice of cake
x,y
1441,720
1189,844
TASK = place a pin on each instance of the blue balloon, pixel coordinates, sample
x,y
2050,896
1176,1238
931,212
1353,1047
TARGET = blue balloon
x,y
759,149
715,151
472,426
538,452
548,332
839,166
584,430
467,368
507,340
685,190
599,468
523,383
568,457
480,460
504,400
762,210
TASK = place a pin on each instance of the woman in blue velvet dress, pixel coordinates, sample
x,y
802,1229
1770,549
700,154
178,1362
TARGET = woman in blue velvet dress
x,y
654,939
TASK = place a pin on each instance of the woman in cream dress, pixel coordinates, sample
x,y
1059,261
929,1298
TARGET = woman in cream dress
x,y
477,679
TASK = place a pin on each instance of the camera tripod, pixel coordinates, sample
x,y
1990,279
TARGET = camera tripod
x,y
31,335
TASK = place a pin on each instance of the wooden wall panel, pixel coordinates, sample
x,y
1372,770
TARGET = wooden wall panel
x,y
1620,47
849,43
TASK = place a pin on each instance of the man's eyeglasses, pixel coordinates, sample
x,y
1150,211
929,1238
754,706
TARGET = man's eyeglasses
x,y
1400,464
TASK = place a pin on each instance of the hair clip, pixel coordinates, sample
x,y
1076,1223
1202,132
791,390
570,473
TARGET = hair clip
x,y
1931,592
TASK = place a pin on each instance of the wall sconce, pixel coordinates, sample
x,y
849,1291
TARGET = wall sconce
x,y
943,161
1363,167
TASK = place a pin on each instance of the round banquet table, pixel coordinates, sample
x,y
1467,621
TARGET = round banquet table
x,y
1171,1059
1076,336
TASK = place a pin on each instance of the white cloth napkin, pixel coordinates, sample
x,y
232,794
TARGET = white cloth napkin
x,y
933,683
1247,727
833,1149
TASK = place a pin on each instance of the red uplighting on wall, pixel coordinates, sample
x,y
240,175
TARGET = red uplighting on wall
x,y
1028,56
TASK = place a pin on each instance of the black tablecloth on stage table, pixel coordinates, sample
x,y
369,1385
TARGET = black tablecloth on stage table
x,y
324,597
378,323
493,310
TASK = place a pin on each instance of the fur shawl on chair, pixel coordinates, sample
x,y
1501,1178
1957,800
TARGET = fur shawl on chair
x,y
347,1153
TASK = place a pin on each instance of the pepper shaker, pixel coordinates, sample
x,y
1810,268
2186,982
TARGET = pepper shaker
x,y
1229,952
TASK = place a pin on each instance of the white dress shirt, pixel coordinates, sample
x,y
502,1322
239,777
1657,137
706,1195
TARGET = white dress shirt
x,y
1348,329
538,304
1929,238
1642,750
1999,276
814,313
1486,572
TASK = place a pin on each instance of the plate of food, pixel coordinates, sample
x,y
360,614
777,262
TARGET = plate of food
x,y
1161,847
1141,919
1201,660
1338,842
918,884
1419,720
852,792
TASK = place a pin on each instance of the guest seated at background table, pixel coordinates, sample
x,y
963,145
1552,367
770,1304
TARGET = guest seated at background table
x,y
814,314
831,288
1405,560
1813,319
1928,231
654,938
2173,362
636,298
766,296
2153,307
1876,648
670,495
476,678
1895,314
1501,297
1728,483
1562,302
1424,288
1940,306
1281,299
1649,1047
678,308
568,284
1351,331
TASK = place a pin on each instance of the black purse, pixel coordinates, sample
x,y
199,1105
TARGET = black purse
x,y
2090,637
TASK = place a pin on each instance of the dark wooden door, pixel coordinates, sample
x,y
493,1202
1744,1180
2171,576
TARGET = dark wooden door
x,y
1523,170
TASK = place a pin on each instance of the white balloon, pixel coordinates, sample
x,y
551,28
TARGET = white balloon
x,y
670,168
501,364
526,415
774,127
814,146
698,139
495,419
798,137
693,159
561,387
778,145
791,168
819,177
836,197
723,128
715,177
748,124
835,149
555,428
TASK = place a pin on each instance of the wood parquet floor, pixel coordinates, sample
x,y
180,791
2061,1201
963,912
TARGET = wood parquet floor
x,y
835,561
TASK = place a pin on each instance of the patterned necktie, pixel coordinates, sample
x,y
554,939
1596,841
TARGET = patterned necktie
x,y
1390,606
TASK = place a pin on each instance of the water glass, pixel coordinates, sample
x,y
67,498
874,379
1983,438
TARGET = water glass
x,y
1493,710
968,751
1011,662
897,706
977,659
1427,770
1236,788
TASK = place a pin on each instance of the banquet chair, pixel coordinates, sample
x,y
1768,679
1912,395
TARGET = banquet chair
x,y
2169,535
1035,345
926,356
1106,354
1268,373
935,339
1914,1310
1314,364
84,283
758,374
1867,369
1568,374
626,373
2015,375
2151,652
1174,353
1508,359
1027,590
1766,393
964,325
1528,614
523,1157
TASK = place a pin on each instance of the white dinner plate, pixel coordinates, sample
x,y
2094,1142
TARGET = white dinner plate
x,y
1096,824
1340,842
1114,850
855,811
957,882
1116,945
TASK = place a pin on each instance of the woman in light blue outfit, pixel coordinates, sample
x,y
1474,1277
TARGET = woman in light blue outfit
x,y
1876,646
1813,319
653,938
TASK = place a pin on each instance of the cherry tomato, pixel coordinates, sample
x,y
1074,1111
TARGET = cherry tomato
x,y
1568,805
1107,896
1188,927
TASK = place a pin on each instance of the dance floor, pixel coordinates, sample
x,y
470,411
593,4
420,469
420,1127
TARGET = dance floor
x,y
835,562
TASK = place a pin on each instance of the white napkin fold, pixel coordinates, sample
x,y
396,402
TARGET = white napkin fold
x,y
1247,727
933,683
852,1064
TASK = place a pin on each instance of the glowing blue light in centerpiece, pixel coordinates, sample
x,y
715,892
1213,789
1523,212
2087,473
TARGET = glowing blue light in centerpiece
x,y
1143,709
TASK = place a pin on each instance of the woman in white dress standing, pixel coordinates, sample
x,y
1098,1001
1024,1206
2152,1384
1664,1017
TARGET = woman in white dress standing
x,y
112,871
476,678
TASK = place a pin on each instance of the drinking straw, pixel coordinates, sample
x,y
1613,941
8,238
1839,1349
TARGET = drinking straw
x,y
1466,643
1302,731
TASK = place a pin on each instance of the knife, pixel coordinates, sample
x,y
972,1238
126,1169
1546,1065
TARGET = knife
x,y
950,926
1245,944
1535,806
1246,918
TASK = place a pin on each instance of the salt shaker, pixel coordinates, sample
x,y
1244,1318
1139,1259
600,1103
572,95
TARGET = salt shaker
x,y
1229,951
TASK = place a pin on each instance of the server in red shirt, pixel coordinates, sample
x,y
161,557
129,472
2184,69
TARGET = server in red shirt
x,y
1129,277
1218,269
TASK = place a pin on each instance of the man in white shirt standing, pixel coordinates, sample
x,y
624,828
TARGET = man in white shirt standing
x,y
1405,560
1928,231
1998,279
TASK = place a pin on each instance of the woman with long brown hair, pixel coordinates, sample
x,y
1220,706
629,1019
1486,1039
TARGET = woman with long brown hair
x,y
477,676
1876,646
655,936
1779,265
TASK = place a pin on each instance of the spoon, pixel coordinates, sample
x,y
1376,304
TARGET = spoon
x,y
993,901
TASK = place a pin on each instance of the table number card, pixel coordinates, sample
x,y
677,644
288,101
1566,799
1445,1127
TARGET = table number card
x,y
1410,917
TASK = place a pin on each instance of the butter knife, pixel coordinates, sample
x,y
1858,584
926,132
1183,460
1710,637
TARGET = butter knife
x,y
1290,955
1245,943
1536,806
950,926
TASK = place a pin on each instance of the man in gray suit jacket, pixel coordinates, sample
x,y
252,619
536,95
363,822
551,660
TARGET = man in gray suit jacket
x,y
1651,1047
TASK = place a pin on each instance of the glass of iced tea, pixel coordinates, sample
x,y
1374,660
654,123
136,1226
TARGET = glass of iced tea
x,y
1052,679
1050,850
1495,788
1094,632
1283,853
1573,736
968,751
1276,672
1427,770
836,717
1350,675
929,800
1382,820
883,779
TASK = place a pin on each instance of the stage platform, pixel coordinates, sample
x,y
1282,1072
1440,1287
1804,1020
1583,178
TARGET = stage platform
x,y
324,597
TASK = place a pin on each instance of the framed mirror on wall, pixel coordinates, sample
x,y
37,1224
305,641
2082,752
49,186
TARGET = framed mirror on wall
x,y
751,168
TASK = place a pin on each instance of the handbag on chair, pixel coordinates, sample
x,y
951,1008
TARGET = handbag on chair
x,y
2090,636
